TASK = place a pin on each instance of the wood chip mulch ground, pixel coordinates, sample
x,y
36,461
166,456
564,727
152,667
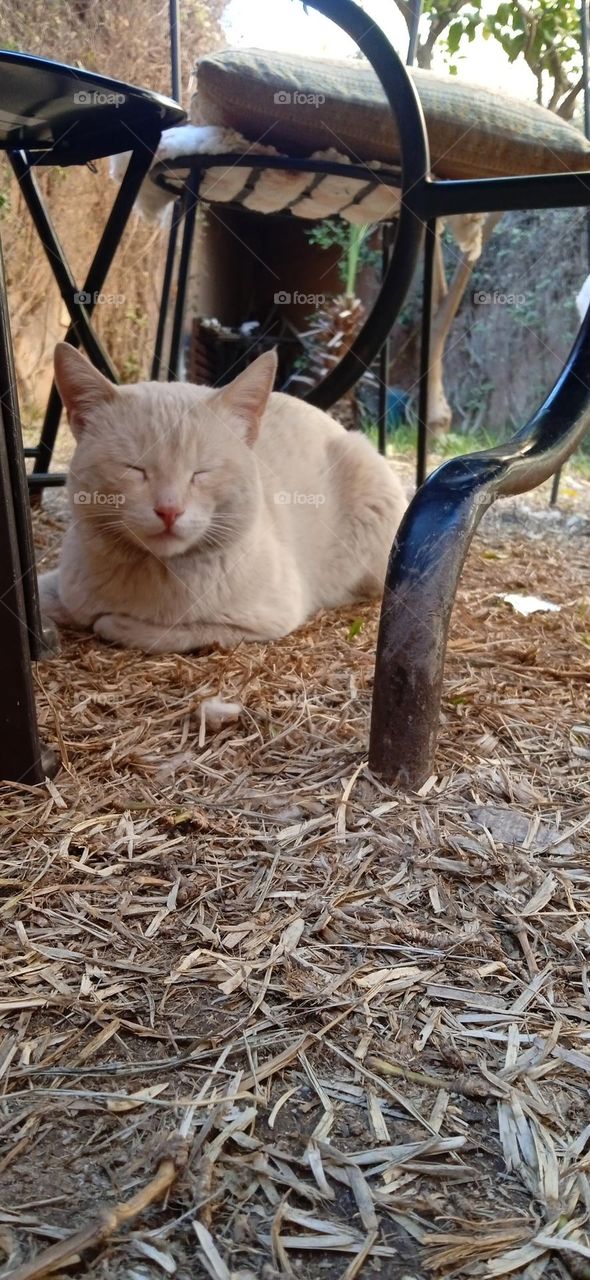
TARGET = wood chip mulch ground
x,y
261,1017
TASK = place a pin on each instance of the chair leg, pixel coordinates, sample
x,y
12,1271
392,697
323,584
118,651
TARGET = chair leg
x,y
422,577
427,559
20,628
555,489
13,444
20,749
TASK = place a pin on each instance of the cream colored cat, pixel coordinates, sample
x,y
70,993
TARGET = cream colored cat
x,y
207,516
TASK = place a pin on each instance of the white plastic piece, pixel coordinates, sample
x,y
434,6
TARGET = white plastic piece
x,y
530,604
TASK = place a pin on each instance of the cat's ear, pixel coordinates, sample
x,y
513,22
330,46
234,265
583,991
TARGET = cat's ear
x,y
81,387
247,396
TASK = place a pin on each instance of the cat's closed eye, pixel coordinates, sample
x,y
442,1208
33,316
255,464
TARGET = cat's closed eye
x,y
138,470
198,475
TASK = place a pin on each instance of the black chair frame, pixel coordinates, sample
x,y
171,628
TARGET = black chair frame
x,y
436,533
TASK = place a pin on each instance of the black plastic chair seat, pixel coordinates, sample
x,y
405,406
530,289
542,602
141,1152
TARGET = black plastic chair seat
x,y
63,115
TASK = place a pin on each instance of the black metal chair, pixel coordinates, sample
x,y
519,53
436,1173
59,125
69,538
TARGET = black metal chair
x,y
434,538
53,115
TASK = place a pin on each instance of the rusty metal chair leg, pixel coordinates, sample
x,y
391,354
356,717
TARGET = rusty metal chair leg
x,y
426,563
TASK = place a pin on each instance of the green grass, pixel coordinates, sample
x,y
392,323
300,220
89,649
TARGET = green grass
x,y
404,439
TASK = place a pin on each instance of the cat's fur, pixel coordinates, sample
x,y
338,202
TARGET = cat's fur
x,y
283,511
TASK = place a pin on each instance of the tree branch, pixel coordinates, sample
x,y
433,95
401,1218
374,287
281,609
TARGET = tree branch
x,y
439,415
530,25
406,11
440,286
565,108
450,304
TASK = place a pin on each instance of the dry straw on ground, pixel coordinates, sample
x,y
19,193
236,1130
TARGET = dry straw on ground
x,y
367,1013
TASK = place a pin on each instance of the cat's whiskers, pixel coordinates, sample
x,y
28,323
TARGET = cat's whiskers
x,y
216,534
109,526
100,517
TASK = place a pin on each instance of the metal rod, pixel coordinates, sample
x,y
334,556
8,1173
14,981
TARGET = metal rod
x,y
173,234
46,480
190,213
177,210
174,50
384,355
424,384
441,197
586,91
585,74
425,340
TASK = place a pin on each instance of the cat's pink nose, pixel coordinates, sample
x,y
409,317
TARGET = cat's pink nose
x,y
169,515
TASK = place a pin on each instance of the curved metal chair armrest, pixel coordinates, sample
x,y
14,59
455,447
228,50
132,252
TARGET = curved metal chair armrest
x,y
428,556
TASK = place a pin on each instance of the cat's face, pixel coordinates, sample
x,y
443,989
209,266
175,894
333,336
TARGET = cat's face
x,y
165,466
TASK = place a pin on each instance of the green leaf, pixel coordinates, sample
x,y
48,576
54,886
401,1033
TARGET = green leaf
x,y
454,35
355,628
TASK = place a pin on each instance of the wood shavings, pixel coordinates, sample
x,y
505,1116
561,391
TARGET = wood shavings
x,y
371,1009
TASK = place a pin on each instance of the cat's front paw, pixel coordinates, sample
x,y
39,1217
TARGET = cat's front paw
x,y
118,629
52,609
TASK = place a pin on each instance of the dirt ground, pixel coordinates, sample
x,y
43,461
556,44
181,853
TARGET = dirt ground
x,y
355,1021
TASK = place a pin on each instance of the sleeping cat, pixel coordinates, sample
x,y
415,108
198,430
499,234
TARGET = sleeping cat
x,y
205,516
